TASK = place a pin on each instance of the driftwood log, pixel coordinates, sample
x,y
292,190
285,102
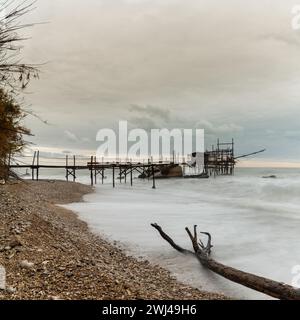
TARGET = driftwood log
x,y
202,253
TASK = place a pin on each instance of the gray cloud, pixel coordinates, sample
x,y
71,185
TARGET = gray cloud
x,y
232,68
214,129
71,136
151,111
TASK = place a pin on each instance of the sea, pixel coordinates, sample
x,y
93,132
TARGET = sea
x,y
254,222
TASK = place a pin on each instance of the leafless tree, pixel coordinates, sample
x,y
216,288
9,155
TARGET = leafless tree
x,y
14,74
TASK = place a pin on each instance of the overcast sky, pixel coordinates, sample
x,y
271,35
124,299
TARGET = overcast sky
x,y
231,67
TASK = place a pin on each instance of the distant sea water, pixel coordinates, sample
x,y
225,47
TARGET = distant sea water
x,y
255,223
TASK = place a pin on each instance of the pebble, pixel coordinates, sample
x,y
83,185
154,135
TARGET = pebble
x,y
26,264
15,243
11,290
69,274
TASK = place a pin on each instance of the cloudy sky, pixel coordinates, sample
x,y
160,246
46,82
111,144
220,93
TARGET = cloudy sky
x,y
232,68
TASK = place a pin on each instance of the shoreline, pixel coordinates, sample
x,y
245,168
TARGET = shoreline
x,y
49,253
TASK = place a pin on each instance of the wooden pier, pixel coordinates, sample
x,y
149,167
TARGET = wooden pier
x,y
121,171
220,160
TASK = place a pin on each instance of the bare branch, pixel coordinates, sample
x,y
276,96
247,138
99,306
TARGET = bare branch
x,y
169,240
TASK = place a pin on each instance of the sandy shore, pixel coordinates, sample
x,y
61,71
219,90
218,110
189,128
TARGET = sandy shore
x,y
50,254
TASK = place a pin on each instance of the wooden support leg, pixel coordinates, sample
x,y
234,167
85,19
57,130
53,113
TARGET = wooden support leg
x,y
67,169
91,171
74,168
154,186
114,183
92,178
38,166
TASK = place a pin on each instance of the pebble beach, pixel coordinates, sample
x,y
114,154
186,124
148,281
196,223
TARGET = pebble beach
x,y
49,254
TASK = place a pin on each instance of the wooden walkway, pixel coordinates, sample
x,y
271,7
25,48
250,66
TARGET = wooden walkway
x,y
122,171
220,160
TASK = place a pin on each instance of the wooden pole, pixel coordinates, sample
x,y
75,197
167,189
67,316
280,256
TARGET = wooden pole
x,y
91,169
38,166
67,168
154,186
74,169
131,178
33,163
114,184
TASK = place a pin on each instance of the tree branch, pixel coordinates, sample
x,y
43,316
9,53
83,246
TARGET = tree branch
x,y
267,286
